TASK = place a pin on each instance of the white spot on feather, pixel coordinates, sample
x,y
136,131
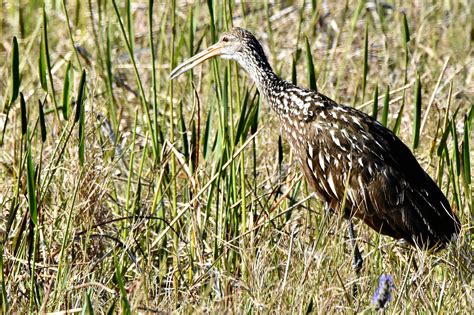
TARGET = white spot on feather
x,y
321,161
345,133
356,120
331,184
361,184
310,164
350,194
334,138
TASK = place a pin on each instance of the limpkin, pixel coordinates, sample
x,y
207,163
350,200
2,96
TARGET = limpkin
x,y
344,152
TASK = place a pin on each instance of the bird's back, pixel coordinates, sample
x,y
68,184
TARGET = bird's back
x,y
344,152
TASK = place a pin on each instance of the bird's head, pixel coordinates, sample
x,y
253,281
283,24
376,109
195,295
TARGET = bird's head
x,y
237,44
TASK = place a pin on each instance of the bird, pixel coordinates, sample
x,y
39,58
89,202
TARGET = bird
x,y
348,158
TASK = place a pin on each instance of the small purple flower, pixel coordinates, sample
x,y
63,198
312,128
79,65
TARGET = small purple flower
x,y
383,294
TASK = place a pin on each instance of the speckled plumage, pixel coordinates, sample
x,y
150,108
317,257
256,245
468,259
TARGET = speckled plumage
x,y
338,145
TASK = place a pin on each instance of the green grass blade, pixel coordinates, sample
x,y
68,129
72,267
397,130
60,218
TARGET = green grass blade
x,y
125,304
206,133
194,146
366,59
42,64
15,71
191,33
128,190
444,138
24,120
66,96
14,84
280,153
405,29
80,115
184,131
154,85
111,310
447,124
466,156
406,39
357,12
48,61
417,114
31,185
294,75
466,152
224,108
375,105
241,124
455,166
80,96
88,306
398,121
110,79
42,121
385,110
210,6
470,115
131,35
69,31
310,67
254,118
456,157
4,298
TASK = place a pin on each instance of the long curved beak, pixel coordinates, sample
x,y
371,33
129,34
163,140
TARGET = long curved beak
x,y
214,50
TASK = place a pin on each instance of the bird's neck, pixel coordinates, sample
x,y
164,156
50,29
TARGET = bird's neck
x,y
265,79
261,73
272,88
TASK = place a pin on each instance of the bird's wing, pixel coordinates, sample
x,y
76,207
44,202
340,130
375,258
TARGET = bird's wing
x,y
386,187
405,196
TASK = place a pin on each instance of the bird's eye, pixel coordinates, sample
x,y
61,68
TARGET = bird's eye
x,y
225,39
